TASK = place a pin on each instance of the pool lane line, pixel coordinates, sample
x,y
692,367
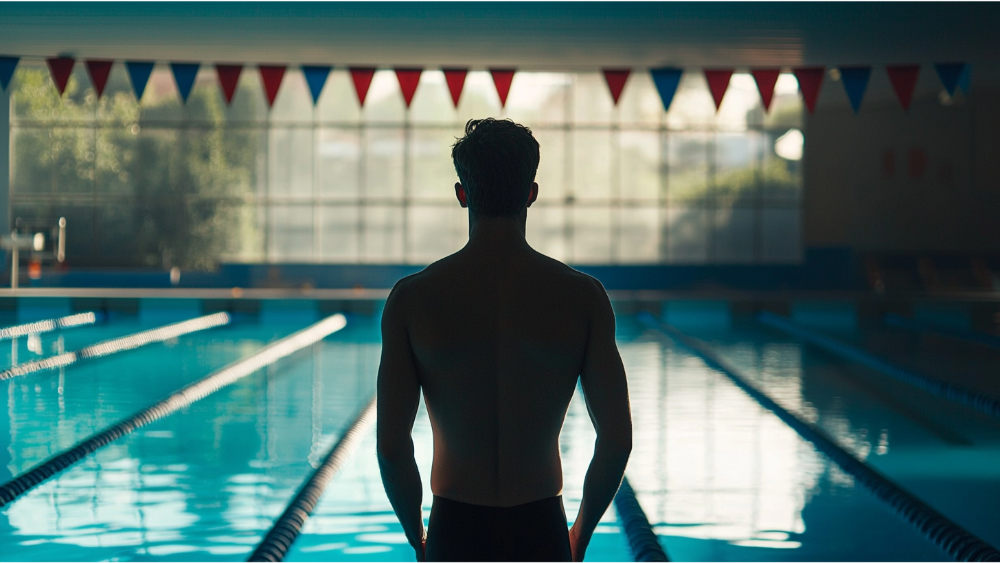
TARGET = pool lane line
x,y
48,325
949,536
899,321
118,344
642,540
972,399
179,399
288,526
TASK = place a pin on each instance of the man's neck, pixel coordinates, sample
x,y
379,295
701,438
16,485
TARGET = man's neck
x,y
497,232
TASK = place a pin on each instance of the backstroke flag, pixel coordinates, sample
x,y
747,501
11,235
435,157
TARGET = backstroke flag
x,y
409,79
184,75
666,80
904,80
362,77
138,73
316,76
616,79
766,78
270,79
502,77
855,79
950,73
718,83
7,66
61,68
229,79
99,71
810,79
455,77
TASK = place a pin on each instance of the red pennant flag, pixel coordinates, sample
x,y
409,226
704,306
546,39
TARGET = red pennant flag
x,y
99,71
362,77
229,77
61,68
904,80
455,77
766,78
810,79
409,79
270,77
718,83
616,81
502,78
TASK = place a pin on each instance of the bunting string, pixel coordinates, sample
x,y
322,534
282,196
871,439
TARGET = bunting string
x,y
903,78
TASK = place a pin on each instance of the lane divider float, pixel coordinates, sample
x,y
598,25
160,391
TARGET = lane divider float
x,y
48,325
288,526
118,344
642,539
953,539
181,398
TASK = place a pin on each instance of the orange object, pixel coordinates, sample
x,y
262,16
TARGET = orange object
x,y
35,269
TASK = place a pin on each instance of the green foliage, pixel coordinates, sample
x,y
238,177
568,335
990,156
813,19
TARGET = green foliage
x,y
161,191
740,187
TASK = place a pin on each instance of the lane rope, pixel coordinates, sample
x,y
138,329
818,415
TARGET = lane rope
x,y
954,540
642,540
972,399
288,526
114,345
181,398
48,325
899,321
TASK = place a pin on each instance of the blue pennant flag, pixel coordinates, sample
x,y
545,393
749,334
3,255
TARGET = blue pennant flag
x,y
965,81
666,81
855,80
138,73
316,79
184,75
950,74
7,66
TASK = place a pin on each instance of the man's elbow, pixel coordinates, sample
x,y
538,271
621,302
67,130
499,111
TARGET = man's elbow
x,y
393,452
618,445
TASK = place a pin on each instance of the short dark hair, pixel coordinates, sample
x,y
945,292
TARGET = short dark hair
x,y
496,162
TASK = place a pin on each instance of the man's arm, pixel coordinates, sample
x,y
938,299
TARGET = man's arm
x,y
606,393
398,399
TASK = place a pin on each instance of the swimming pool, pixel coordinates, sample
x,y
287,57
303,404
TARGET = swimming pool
x,y
718,476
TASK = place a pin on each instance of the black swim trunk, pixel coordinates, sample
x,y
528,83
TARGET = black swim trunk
x,y
535,531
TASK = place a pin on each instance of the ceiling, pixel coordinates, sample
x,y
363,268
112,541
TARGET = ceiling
x,y
549,35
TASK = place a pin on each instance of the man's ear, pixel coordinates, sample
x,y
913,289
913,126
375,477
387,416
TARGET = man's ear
x,y
460,194
533,194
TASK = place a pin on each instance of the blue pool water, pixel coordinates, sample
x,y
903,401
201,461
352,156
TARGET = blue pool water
x,y
719,477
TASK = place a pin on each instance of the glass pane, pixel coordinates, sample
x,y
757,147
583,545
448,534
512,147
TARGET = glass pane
x,y
160,101
338,102
736,157
786,105
692,105
639,241
546,230
741,106
592,101
435,232
290,162
733,241
293,103
339,163
384,102
382,239
116,153
383,163
241,231
479,98
538,97
118,104
340,233
592,152
687,234
640,103
432,172
205,102
687,166
72,160
781,235
31,160
591,235
640,165
551,176
782,177
432,101
291,233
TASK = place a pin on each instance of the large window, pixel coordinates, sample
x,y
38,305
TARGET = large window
x,y
166,183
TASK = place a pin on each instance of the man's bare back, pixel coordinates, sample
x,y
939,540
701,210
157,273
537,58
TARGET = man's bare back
x,y
497,336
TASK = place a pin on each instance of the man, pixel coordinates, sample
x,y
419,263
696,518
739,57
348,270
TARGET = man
x,y
497,336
